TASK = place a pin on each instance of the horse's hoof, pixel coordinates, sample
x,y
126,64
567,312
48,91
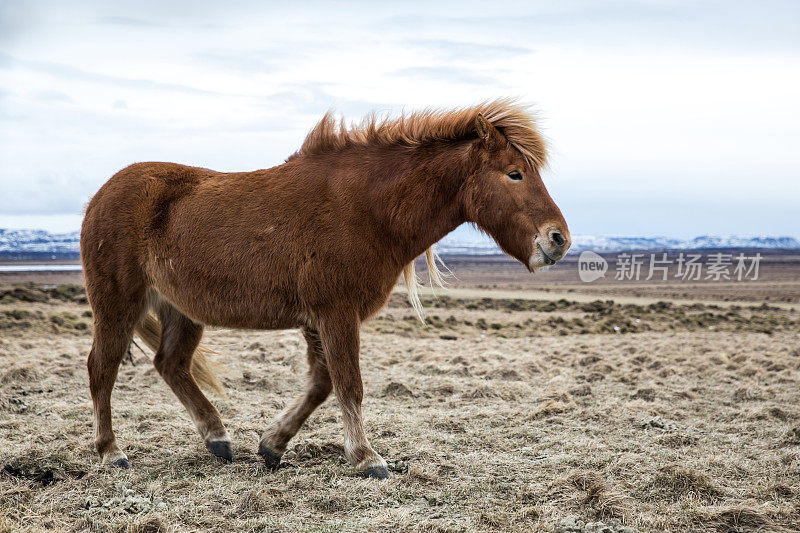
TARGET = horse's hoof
x,y
221,448
377,472
122,463
271,459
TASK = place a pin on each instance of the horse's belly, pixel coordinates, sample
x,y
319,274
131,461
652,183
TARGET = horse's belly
x,y
223,301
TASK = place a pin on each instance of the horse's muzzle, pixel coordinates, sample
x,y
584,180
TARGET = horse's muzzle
x,y
550,245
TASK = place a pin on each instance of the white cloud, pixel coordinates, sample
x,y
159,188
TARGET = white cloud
x,y
652,107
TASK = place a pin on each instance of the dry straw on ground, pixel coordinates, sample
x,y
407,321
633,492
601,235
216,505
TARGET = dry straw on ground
x,y
499,415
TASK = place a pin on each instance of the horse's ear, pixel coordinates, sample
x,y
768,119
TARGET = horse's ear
x,y
487,133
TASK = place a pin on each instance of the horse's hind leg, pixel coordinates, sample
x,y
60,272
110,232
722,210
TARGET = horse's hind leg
x,y
114,319
288,423
180,337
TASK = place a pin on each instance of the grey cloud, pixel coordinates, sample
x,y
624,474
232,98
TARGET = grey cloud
x,y
766,25
469,51
60,70
128,21
16,19
51,96
315,98
448,74
8,116
45,193
172,20
262,60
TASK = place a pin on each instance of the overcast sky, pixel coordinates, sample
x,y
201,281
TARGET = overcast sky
x,y
664,118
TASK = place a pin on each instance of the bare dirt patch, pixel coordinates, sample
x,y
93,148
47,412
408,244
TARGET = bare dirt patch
x,y
499,415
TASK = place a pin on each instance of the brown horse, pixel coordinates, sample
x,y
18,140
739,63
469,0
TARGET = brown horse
x,y
317,243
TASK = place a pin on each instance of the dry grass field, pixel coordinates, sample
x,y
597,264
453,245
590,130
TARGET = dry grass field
x,y
508,411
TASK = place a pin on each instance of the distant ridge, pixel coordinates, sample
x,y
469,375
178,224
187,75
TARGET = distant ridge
x,y
40,244
590,242
484,245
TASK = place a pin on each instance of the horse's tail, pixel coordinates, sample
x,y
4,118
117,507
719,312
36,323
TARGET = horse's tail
x,y
412,284
149,330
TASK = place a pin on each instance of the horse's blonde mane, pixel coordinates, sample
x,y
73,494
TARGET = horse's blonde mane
x,y
515,121
412,283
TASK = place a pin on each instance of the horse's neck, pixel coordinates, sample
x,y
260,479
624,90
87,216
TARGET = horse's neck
x,y
418,203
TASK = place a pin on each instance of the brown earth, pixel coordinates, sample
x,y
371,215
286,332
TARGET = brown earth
x,y
642,406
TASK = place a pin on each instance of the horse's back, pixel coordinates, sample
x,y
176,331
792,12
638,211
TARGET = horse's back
x,y
257,249
226,248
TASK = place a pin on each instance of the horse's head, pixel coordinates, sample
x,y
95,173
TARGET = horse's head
x,y
505,196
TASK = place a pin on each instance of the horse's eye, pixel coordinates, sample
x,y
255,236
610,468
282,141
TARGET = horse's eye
x,y
515,175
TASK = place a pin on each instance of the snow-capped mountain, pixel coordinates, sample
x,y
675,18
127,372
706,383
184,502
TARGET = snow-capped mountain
x,y
474,243
599,243
26,241
40,243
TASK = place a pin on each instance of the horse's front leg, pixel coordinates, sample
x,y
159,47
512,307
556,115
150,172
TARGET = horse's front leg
x,y
340,341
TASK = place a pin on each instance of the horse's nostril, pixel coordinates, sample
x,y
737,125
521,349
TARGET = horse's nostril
x,y
557,238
